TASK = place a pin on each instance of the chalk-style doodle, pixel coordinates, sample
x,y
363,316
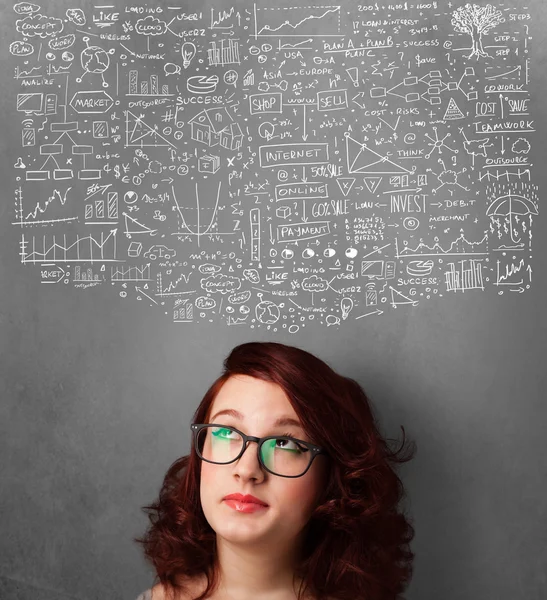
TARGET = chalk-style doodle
x,y
476,21
149,87
275,166
469,277
94,60
139,134
437,143
321,21
225,52
362,159
510,207
216,126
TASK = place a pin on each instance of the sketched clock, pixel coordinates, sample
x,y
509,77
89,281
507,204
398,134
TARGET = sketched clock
x,y
275,166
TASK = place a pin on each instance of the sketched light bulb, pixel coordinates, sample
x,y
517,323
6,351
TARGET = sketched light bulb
x,y
346,305
188,52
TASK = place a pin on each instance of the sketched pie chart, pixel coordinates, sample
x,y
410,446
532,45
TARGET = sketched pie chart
x,y
420,268
200,84
130,197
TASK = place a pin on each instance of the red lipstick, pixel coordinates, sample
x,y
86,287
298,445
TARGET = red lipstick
x,y
245,499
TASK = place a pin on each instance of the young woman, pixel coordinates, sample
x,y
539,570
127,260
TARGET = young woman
x,y
289,492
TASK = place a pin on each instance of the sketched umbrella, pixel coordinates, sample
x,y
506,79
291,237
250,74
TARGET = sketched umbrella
x,y
509,205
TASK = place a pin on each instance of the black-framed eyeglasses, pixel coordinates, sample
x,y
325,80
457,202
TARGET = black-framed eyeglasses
x,y
222,445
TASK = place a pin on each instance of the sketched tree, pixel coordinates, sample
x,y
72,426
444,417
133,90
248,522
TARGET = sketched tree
x,y
476,21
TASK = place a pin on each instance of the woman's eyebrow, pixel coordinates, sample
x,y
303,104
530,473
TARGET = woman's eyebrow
x,y
281,421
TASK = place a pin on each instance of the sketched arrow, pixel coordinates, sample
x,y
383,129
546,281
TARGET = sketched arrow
x,y
375,312
359,95
396,124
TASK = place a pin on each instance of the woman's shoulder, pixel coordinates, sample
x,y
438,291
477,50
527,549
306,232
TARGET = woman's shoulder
x,y
154,593
146,595
194,588
158,592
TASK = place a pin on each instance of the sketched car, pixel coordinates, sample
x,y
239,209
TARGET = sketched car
x,y
159,251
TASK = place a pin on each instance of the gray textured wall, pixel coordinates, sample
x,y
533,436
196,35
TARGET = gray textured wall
x,y
96,394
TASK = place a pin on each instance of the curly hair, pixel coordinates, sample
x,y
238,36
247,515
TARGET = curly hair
x,y
357,539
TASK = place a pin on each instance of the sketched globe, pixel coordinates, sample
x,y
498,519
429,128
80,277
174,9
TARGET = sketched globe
x,y
267,312
95,60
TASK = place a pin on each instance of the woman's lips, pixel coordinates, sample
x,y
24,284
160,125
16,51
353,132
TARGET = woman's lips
x,y
245,498
245,507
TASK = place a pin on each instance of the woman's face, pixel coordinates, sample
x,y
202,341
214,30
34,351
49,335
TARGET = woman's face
x,y
291,501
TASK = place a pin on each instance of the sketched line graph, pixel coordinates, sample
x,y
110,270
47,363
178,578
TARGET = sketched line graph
x,y
171,288
185,229
83,249
510,272
31,218
131,273
223,16
460,246
321,21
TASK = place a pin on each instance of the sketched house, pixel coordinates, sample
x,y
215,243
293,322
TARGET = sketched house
x,y
214,126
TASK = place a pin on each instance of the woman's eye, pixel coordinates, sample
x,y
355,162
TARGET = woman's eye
x,y
290,445
223,431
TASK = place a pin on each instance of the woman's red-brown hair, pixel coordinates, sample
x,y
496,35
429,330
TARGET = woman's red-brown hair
x,y
357,544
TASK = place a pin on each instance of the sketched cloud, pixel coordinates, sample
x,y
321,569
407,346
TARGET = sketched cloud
x,y
315,284
221,283
150,26
39,26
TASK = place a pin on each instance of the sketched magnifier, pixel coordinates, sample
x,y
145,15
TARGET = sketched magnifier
x,y
267,130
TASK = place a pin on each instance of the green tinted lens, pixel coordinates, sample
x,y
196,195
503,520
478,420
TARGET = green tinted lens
x,y
282,456
285,457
